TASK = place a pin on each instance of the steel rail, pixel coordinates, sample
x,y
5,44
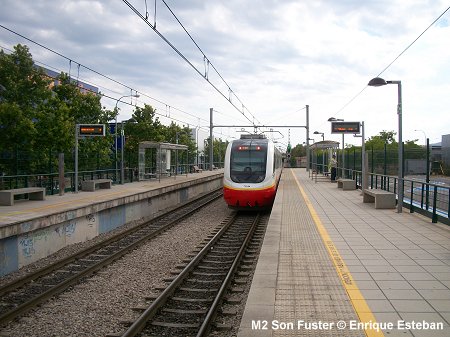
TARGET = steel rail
x,y
9,315
204,329
151,311
57,265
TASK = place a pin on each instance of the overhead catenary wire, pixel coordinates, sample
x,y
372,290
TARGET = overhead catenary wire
x,y
94,71
153,27
103,95
392,62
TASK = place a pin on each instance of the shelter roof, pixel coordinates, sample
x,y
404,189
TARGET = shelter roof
x,y
325,144
162,146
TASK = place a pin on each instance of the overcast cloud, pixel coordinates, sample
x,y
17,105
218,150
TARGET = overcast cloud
x,y
276,56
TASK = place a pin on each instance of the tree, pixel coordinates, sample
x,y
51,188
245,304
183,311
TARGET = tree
x,y
70,107
384,137
24,96
219,148
38,120
298,151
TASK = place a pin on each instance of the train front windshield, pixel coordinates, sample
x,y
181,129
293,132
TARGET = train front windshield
x,y
248,163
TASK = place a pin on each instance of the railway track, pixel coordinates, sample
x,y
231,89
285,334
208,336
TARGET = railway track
x,y
190,303
26,293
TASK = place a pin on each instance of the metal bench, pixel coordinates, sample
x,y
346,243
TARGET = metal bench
x,y
346,184
91,185
34,193
197,169
381,198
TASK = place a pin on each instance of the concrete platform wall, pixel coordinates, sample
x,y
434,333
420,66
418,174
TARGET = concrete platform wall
x,y
27,242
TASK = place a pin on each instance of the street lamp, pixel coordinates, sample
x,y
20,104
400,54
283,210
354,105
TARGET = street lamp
x,y
377,82
425,135
122,173
320,133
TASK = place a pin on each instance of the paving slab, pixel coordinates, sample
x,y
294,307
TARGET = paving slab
x,y
398,264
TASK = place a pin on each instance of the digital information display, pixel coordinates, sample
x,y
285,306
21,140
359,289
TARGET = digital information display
x,y
91,130
345,127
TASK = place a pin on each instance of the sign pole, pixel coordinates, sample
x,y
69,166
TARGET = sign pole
x,y
76,157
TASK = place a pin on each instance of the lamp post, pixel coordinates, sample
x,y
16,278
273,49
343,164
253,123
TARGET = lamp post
x,y
363,159
320,133
425,135
377,82
122,173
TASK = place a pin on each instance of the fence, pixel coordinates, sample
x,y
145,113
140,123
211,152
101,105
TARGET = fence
x,y
428,198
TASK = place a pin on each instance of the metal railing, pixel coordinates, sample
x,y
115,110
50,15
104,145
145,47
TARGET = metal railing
x,y
430,199
51,180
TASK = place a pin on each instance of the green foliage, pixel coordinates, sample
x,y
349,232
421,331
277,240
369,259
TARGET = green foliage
x,y
219,149
384,137
37,121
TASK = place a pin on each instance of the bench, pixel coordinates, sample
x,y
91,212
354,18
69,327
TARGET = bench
x,y
90,185
197,169
150,176
382,198
34,193
346,184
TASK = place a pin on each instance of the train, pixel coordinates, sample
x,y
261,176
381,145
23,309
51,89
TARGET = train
x,y
253,167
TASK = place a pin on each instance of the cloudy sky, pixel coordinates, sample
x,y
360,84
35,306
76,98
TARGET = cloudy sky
x,y
275,57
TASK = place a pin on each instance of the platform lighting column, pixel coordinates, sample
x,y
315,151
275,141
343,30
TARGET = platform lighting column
x,y
77,127
115,132
211,161
320,133
308,155
377,82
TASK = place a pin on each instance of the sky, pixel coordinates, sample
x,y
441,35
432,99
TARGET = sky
x,y
258,61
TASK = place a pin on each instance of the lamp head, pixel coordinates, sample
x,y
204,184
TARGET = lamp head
x,y
377,82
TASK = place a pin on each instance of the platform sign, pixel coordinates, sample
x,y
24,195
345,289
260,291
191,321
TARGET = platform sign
x,y
91,130
345,127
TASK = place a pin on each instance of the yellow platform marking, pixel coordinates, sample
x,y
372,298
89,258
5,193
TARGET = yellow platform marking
x,y
73,201
356,298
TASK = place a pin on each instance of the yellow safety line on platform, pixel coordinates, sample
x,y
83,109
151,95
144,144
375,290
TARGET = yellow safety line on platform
x,y
63,203
356,298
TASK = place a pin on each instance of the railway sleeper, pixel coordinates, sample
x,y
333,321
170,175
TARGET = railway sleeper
x,y
223,326
228,311
202,290
204,267
185,311
247,261
240,281
232,300
140,308
195,280
191,300
210,274
229,261
237,290
176,325
151,297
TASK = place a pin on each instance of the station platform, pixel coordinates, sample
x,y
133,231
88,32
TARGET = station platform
x,y
332,265
33,229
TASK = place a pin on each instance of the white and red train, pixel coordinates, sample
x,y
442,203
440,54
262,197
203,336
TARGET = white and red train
x,y
253,168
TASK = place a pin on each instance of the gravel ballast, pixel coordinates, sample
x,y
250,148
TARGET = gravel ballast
x,y
96,307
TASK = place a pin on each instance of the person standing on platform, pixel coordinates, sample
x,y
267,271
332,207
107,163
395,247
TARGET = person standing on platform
x,y
333,164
